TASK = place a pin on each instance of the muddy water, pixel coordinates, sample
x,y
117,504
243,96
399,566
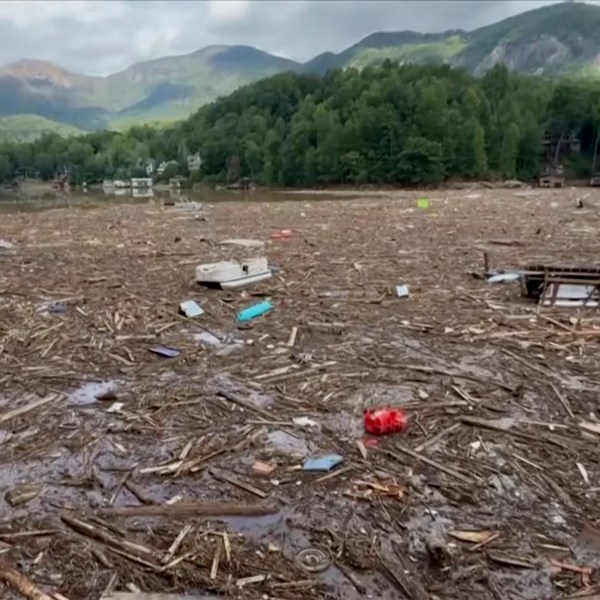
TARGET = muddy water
x,y
81,451
71,472
92,199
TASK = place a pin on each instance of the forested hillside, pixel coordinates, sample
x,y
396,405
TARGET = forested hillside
x,y
556,40
387,125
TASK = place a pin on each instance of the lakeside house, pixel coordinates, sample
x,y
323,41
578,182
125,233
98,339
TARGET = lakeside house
x,y
194,162
141,183
553,147
564,143
148,165
552,176
162,167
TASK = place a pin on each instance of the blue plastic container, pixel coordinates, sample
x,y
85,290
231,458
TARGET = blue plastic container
x,y
254,311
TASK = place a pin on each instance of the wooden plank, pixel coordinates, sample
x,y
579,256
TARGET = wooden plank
x,y
150,596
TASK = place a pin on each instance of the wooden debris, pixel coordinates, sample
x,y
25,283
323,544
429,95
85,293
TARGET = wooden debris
x,y
511,561
23,410
477,537
216,558
292,338
198,509
409,585
436,438
263,468
251,580
22,494
590,426
21,584
428,461
498,391
239,483
187,528
562,399
573,568
97,533
235,398
485,542
138,492
8,537
150,596
362,449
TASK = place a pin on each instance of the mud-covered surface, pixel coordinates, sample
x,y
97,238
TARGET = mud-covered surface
x,y
492,491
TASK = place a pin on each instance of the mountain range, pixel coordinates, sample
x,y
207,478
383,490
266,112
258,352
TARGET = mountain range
x,y
38,96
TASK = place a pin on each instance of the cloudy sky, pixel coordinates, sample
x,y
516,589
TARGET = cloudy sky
x,y
100,37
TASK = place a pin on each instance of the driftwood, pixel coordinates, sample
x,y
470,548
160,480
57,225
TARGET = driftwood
x,y
147,596
21,584
196,509
468,362
23,410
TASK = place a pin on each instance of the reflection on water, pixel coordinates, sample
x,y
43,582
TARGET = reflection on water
x,y
12,202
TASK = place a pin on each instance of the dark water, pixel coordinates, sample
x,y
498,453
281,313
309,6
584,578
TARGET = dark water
x,y
92,199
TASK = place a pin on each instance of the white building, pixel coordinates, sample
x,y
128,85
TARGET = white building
x,y
141,182
194,162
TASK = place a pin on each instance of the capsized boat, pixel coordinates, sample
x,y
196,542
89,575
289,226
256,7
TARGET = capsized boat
x,y
235,272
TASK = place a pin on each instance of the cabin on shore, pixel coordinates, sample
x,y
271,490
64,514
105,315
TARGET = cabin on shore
x,y
552,177
118,184
141,183
555,145
194,162
565,143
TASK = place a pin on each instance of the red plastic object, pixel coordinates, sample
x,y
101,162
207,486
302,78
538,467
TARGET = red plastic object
x,y
382,421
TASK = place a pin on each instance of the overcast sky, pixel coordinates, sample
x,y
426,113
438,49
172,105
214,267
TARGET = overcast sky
x,y
99,37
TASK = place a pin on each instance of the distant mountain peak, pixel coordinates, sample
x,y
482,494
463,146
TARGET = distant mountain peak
x,y
33,67
40,73
393,38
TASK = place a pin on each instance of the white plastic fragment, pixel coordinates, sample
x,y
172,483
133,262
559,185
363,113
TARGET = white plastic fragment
x,y
402,291
304,422
191,309
504,278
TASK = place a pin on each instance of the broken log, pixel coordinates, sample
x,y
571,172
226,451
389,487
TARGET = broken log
x,y
199,509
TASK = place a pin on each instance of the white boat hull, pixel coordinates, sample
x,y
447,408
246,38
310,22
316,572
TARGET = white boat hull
x,y
244,281
231,274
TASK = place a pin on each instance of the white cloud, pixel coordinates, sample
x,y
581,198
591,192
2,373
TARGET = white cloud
x,y
25,14
227,11
100,36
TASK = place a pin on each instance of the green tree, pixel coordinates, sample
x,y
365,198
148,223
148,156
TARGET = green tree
x,y
5,168
480,164
421,161
510,151
409,124
253,158
272,154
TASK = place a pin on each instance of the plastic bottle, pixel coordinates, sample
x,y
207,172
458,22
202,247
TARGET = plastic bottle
x,y
255,311
382,421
